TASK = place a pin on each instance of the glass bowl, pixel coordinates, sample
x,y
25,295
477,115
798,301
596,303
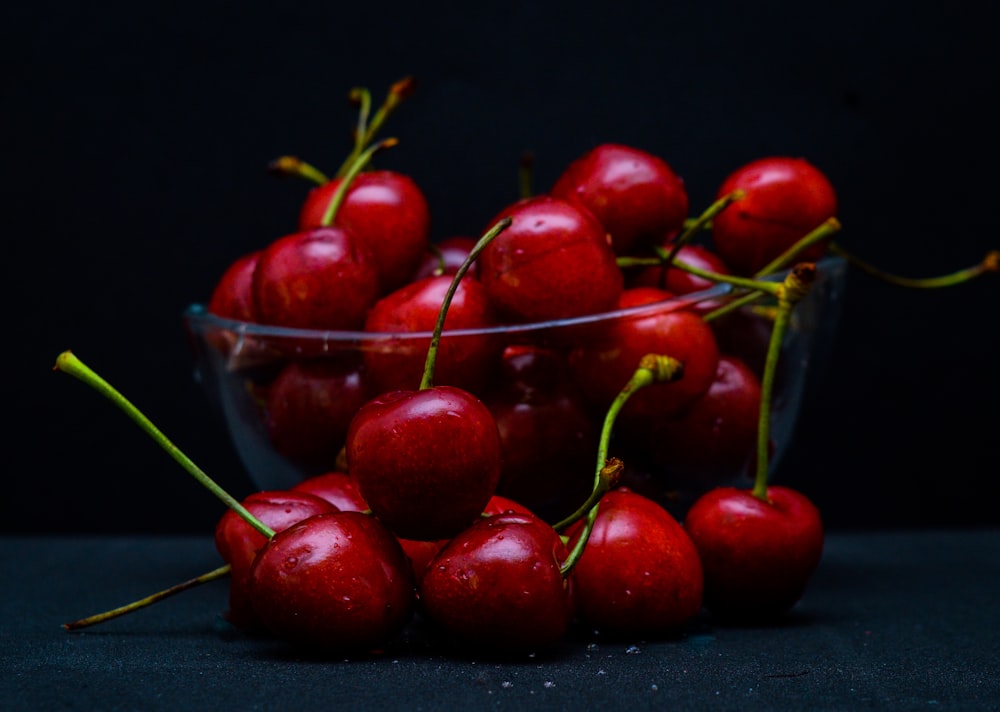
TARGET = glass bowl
x,y
285,396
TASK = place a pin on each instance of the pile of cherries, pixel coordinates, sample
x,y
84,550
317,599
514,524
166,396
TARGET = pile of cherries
x,y
480,483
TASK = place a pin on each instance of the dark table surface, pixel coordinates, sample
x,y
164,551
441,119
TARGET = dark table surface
x,y
892,620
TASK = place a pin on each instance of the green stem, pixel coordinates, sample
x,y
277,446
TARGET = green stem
x,y
653,368
340,194
427,379
149,600
292,166
829,227
366,131
526,174
791,291
990,263
69,363
700,223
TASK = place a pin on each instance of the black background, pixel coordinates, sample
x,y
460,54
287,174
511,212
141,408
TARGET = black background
x,y
136,137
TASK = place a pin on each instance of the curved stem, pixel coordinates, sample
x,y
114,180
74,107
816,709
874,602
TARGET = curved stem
x,y
792,290
340,194
67,362
990,263
293,166
427,379
700,223
653,368
366,131
149,600
829,227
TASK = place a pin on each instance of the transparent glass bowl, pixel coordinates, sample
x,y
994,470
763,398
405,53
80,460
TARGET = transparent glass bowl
x,y
239,363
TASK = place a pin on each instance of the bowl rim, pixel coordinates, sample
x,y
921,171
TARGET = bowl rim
x,y
196,315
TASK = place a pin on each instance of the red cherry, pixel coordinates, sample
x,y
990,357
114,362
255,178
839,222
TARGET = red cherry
x,y
785,198
232,297
427,461
758,555
553,262
445,257
547,437
238,542
309,406
499,504
498,585
636,196
386,211
464,361
606,360
337,582
639,574
318,279
713,440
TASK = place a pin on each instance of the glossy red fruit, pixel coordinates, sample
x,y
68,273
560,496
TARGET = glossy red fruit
x,y
606,360
554,261
497,586
238,542
388,212
464,361
322,278
713,440
640,574
548,439
337,582
786,198
309,406
758,555
426,461
635,195
445,257
232,297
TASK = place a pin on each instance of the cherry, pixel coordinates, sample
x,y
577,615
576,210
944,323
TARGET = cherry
x,y
678,281
309,406
322,277
337,582
636,196
639,573
463,360
498,585
608,357
445,257
712,440
547,437
784,198
232,297
238,542
553,262
387,212
428,460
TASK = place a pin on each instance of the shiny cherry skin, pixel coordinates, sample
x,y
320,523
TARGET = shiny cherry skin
x,y
388,212
446,257
464,361
554,261
309,405
237,542
547,435
497,586
640,574
635,195
232,297
337,583
713,440
323,278
786,198
605,362
427,461
758,555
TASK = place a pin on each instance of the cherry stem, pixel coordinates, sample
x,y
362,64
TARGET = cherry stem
x,y
427,380
795,286
212,575
293,166
526,174
653,368
340,194
67,362
695,226
365,132
990,263
827,228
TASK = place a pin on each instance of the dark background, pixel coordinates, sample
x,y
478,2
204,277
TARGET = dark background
x,y
136,138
